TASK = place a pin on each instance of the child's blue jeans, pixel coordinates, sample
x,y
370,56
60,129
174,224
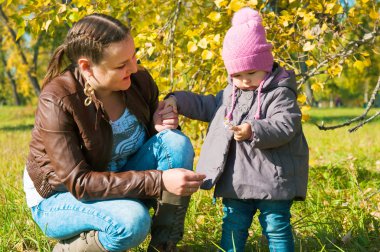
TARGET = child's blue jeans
x,y
274,219
122,223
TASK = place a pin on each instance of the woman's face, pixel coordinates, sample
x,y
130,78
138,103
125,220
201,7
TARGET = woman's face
x,y
113,73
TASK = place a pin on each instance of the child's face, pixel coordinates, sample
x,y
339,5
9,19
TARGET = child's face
x,y
248,80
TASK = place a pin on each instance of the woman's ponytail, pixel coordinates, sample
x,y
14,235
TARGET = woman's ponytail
x,y
55,64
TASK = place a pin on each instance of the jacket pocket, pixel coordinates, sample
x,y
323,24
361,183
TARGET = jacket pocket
x,y
283,163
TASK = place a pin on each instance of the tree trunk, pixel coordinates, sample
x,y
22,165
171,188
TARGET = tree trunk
x,y
16,97
308,90
31,70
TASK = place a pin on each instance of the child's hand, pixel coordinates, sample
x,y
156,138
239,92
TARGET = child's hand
x,y
171,101
165,117
242,132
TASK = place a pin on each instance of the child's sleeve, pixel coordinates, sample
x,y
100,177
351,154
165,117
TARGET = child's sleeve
x,y
196,106
281,124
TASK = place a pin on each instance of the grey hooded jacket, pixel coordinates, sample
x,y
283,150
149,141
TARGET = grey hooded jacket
x,y
274,164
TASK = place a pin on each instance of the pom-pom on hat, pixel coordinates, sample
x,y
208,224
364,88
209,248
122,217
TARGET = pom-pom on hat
x,y
245,46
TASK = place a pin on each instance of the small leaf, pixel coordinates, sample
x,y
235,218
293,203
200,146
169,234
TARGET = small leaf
x,y
150,50
308,47
62,8
221,3
236,5
179,64
301,98
206,55
308,34
309,62
191,47
374,14
46,25
335,69
20,32
217,38
317,87
203,43
359,65
214,16
324,27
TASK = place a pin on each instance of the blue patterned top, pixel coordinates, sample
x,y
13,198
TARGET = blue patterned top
x,y
128,136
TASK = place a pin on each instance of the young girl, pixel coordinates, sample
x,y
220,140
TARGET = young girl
x,y
255,151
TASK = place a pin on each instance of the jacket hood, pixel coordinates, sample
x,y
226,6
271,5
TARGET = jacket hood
x,y
280,78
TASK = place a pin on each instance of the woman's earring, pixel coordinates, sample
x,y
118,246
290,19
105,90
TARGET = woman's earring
x,y
89,92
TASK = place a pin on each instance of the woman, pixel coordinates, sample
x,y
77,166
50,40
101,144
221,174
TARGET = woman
x,y
95,154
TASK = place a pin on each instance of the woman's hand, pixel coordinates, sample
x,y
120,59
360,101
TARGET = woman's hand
x,y
165,117
242,132
180,181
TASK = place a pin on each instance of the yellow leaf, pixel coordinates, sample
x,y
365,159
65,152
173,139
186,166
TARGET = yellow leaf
x,y
46,25
62,8
329,7
252,3
304,112
20,32
324,27
365,1
359,65
206,55
217,38
301,98
308,47
309,62
214,16
374,14
236,5
351,12
365,54
191,47
220,3
335,70
308,34
150,51
317,87
203,43
305,117
367,62
189,33
179,64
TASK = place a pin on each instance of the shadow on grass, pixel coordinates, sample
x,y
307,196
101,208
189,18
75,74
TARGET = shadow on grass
x,y
22,127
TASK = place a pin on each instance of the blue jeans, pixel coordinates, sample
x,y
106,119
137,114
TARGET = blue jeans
x,y
122,223
274,219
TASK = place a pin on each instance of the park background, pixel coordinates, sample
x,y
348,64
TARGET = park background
x,y
333,47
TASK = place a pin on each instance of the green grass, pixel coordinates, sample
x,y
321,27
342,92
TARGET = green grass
x,y
341,213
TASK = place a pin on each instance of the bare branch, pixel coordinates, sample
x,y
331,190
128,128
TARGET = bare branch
x,y
359,118
171,41
364,122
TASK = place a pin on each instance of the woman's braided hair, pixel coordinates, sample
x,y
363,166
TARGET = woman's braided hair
x,y
87,38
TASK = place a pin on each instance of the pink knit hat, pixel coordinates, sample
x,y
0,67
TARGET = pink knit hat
x,y
245,46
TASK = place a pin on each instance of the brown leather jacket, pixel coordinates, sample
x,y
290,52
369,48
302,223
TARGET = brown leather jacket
x,y
71,144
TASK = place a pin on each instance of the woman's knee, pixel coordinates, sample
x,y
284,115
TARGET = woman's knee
x,y
128,231
179,148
